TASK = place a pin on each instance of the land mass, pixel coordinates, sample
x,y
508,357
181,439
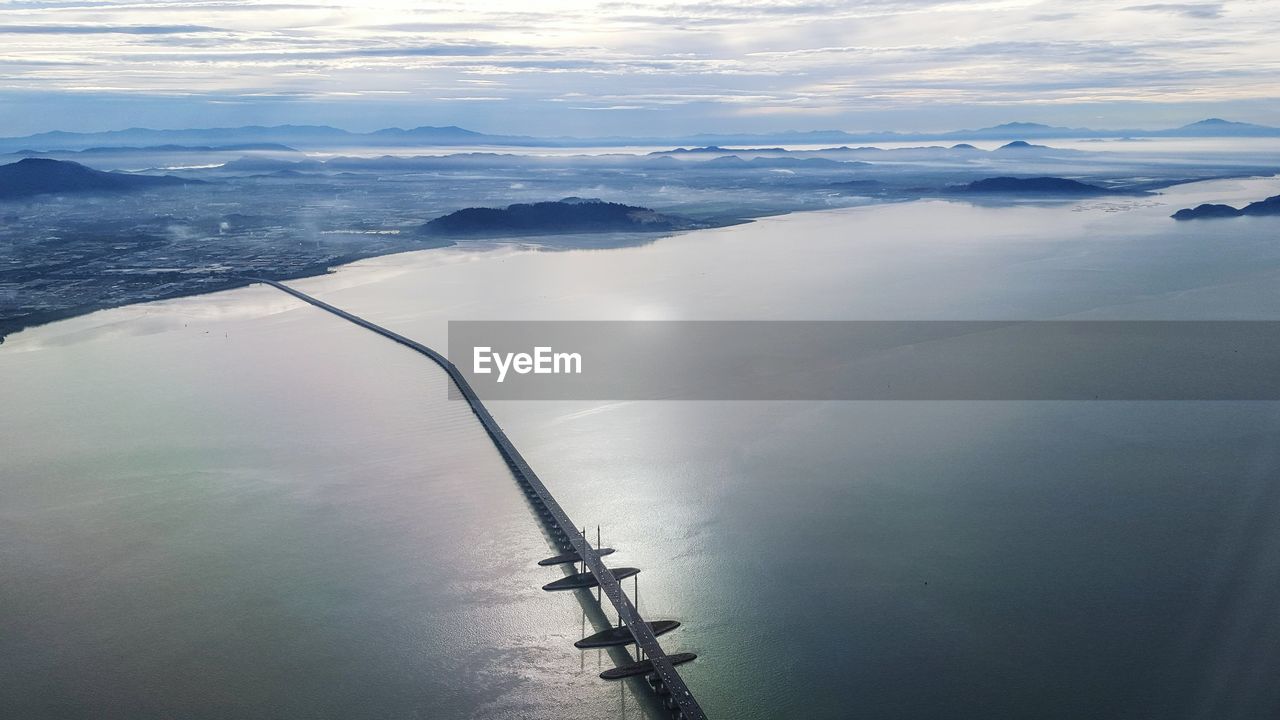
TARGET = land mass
x,y
1038,186
570,215
39,176
77,238
1270,206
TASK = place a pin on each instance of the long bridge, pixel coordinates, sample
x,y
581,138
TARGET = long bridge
x,y
657,664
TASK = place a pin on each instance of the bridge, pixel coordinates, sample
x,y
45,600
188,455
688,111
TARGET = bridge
x,y
656,663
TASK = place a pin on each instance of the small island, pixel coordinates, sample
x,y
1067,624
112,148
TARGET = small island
x,y
570,215
1270,206
1039,186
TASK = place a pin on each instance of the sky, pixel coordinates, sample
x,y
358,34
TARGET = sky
x,y
562,67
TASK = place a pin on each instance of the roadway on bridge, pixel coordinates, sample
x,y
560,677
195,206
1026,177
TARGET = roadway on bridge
x,y
641,631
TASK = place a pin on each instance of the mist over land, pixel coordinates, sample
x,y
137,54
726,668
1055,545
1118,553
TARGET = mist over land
x,y
97,220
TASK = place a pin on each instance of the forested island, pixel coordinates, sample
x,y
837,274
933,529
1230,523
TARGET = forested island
x,y
570,215
1270,206
1039,186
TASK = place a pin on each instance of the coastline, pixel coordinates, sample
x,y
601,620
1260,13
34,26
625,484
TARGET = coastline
x,y
230,281
268,430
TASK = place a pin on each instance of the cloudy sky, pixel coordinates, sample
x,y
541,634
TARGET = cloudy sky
x,y
550,67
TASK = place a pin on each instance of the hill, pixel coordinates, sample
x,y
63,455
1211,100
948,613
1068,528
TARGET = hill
x,y
1270,206
1217,127
570,215
1036,186
1018,145
38,176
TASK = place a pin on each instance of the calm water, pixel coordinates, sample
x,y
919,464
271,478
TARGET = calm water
x,y
238,506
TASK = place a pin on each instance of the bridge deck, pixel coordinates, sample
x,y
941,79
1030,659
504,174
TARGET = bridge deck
x,y
581,581
615,636
643,667
655,656
571,557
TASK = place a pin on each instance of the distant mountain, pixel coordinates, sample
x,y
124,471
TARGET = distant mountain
x,y
1035,186
432,135
1270,206
142,137
570,215
717,150
1022,145
38,176
1021,129
238,147
1217,127
289,136
1212,127
161,149
734,162
316,136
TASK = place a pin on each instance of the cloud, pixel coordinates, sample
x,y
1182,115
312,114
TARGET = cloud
x,y
448,50
1203,11
444,50
174,5
698,62
105,29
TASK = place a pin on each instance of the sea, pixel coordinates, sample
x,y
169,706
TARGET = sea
x,y
237,505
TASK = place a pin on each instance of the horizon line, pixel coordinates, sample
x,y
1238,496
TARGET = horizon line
x,y
712,133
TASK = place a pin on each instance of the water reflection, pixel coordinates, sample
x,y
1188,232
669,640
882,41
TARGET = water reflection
x,y
285,516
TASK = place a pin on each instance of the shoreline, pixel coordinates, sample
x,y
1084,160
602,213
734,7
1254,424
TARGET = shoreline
x,y
13,326
234,281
